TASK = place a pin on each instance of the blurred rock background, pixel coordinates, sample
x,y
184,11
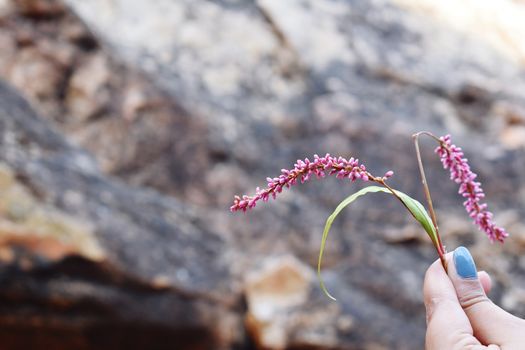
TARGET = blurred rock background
x,y
127,126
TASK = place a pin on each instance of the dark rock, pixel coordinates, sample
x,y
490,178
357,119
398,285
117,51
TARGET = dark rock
x,y
152,270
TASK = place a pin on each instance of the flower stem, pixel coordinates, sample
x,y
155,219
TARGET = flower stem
x,y
439,245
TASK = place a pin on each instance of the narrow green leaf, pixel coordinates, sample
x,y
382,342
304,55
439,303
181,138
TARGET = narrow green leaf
x,y
416,209
420,214
328,225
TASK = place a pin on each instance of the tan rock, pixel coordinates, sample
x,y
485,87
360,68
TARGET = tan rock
x,y
46,232
513,137
281,314
281,284
86,94
35,74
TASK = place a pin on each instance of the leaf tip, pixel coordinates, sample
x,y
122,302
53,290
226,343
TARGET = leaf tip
x,y
326,292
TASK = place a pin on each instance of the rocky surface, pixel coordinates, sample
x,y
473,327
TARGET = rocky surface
x,y
82,253
199,101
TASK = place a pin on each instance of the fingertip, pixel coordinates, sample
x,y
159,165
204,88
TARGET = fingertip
x,y
437,287
485,280
437,282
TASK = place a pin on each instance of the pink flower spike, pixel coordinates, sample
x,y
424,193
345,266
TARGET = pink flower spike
x,y
302,172
452,159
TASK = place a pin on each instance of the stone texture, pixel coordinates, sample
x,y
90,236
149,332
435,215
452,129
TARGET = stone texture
x,y
63,71
271,292
81,252
201,100
40,229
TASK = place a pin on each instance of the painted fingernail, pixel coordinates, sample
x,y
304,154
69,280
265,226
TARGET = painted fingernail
x,y
464,263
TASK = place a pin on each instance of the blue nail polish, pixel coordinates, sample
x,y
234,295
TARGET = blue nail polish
x,y
464,263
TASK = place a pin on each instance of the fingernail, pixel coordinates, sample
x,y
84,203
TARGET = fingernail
x,y
464,263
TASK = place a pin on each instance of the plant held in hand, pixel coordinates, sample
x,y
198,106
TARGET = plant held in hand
x,y
451,157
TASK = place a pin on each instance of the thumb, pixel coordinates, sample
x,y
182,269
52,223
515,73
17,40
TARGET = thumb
x,y
490,323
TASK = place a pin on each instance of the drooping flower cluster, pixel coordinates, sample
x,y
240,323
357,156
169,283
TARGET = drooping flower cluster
x,y
303,170
452,159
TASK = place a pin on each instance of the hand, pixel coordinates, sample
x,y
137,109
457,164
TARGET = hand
x,y
459,313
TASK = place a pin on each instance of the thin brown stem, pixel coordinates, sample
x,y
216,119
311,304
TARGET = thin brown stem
x,y
429,134
440,248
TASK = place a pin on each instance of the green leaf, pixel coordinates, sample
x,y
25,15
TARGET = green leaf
x,y
419,212
416,209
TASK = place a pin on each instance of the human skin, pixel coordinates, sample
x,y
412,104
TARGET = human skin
x,y
459,313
